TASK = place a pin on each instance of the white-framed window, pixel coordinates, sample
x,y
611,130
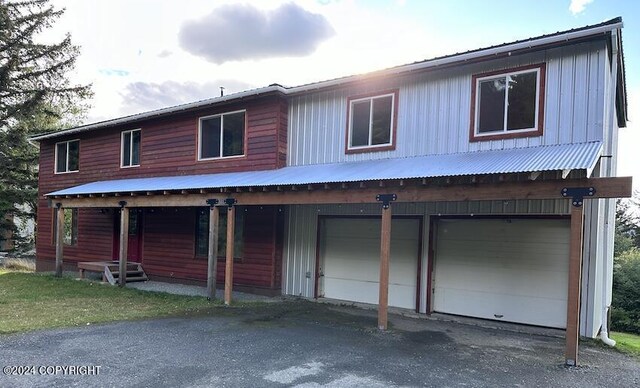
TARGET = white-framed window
x,y
67,156
222,135
130,148
371,121
508,103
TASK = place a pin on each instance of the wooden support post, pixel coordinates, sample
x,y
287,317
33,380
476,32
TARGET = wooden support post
x,y
385,253
212,256
573,296
59,238
124,243
228,271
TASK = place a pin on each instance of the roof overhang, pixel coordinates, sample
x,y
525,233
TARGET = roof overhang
x,y
531,160
484,54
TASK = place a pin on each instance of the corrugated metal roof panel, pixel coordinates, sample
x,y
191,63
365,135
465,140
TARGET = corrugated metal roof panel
x,y
581,156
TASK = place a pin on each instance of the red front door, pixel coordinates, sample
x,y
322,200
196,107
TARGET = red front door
x,y
134,248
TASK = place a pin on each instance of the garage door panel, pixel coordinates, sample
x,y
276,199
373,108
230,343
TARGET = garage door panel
x,y
488,305
516,269
350,260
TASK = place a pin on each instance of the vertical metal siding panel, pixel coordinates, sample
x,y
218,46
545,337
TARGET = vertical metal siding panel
x,y
552,102
595,95
566,96
580,95
464,91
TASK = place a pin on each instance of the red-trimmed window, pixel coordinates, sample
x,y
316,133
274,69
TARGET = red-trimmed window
x,y
508,104
372,122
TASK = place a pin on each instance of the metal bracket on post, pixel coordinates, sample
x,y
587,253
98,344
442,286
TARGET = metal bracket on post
x,y
230,201
58,205
577,194
212,202
386,199
122,204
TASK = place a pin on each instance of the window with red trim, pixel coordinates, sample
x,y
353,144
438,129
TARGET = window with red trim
x,y
508,103
371,122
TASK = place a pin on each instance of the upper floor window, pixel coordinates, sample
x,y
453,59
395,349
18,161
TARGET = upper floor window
x,y
508,104
372,122
67,156
222,135
130,148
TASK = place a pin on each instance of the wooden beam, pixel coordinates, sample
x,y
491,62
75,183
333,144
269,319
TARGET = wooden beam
x,y
539,189
573,296
59,239
385,251
228,271
124,242
212,252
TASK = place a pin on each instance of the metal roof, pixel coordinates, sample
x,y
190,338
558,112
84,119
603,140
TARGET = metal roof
x,y
581,156
561,37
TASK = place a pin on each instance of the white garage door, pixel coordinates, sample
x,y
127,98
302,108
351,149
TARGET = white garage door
x,y
350,260
513,270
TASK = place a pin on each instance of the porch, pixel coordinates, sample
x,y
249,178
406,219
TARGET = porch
x,y
563,176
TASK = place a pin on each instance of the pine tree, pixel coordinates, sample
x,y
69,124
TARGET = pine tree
x,y
35,96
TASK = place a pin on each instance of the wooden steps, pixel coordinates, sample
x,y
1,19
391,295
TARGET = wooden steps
x,y
135,273
111,271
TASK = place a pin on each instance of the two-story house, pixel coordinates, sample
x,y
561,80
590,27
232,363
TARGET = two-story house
x,y
479,184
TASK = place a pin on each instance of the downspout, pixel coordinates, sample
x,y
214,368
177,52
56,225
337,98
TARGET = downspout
x,y
604,332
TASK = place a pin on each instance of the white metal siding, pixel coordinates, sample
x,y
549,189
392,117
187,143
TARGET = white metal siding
x,y
511,270
350,260
433,111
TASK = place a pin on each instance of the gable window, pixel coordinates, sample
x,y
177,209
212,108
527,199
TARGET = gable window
x,y
202,232
508,104
371,122
130,148
70,233
222,135
67,156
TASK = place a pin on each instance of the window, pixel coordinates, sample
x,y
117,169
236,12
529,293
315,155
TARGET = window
x,y
70,233
202,232
372,121
67,156
130,148
222,135
508,104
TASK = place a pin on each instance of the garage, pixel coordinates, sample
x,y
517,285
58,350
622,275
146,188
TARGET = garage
x,y
349,260
507,269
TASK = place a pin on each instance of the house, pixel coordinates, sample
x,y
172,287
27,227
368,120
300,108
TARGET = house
x,y
480,184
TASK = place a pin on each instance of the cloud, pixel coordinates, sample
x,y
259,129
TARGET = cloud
x,y
578,6
145,96
237,32
114,72
165,53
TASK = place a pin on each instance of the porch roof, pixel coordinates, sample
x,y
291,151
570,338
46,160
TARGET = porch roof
x,y
579,156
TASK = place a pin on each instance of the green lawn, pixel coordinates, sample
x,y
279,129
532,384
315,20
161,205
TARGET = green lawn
x,y
30,301
628,343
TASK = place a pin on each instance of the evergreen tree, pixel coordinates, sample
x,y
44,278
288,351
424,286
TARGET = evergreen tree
x,y
35,96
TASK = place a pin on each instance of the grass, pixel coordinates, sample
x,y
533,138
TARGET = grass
x,y
627,343
31,301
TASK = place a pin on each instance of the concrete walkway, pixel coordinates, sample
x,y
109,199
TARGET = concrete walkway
x,y
184,289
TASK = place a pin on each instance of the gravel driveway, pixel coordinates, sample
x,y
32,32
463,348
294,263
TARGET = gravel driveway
x,y
305,344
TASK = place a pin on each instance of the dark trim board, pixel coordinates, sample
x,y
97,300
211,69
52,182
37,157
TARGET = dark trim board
x,y
419,218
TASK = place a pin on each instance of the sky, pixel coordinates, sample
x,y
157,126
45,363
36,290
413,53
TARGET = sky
x,y
141,55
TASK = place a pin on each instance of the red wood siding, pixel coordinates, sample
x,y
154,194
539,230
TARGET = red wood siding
x,y
169,247
169,148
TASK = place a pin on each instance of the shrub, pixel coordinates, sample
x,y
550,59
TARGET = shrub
x,y
625,313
